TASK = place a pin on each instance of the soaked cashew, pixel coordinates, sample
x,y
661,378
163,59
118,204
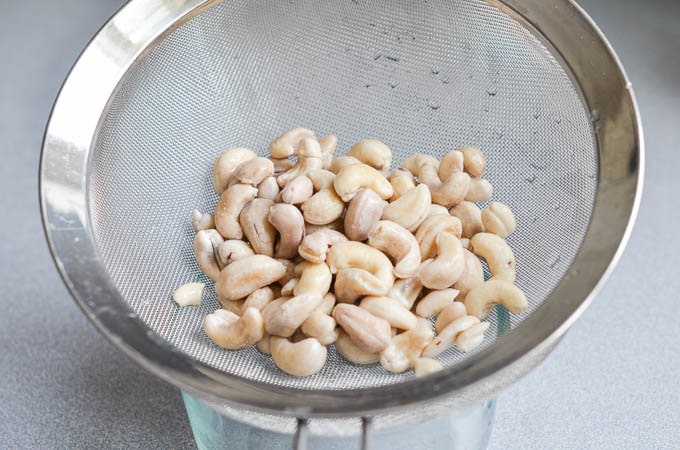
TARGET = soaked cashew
x,y
434,302
320,326
370,333
226,163
309,158
448,335
297,191
426,366
201,221
452,162
391,310
229,207
314,279
299,359
481,299
437,210
337,164
498,219
254,171
497,254
474,161
350,179
453,311
411,209
323,207
328,144
406,347
473,275
373,153
283,318
449,192
205,244
321,179
431,228
268,188
470,217
444,270
406,291
288,143
471,338
232,332
241,278
402,181
314,246
363,213
399,244
254,220
260,298
349,350
480,190
189,294
290,224
360,269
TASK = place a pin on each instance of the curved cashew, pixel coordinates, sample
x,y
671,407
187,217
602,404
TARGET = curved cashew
x,y
288,288
229,207
474,161
450,163
497,254
259,298
290,224
363,213
256,227
315,245
437,210
370,333
281,165
453,311
444,270
470,217
480,190
314,279
225,165
202,221
323,207
263,344
297,191
471,338
243,277
411,209
283,318
205,244
406,347
414,162
328,144
339,163
398,243
448,335
391,310
320,326
288,143
434,302
189,294
321,179
349,350
299,359
232,250
473,275
498,219
373,153
449,192
254,171
402,181
426,366
336,225
481,299
350,179
361,270
232,332
309,158
406,291
431,228
268,188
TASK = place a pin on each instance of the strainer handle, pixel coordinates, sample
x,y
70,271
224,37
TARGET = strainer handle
x,y
302,434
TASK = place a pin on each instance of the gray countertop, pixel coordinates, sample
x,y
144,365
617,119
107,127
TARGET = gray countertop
x,y
612,383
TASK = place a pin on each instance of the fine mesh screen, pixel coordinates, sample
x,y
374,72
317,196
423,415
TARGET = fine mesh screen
x,y
420,76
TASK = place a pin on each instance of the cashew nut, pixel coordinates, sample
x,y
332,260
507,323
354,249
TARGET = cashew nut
x,y
444,270
290,224
373,153
256,227
299,359
323,207
431,228
498,219
269,188
189,294
309,158
202,221
288,143
320,326
450,163
315,245
414,162
282,319
281,165
205,244
465,242
480,190
391,310
328,144
297,191
448,335
474,161
263,344
235,307
426,366
327,304
406,291
314,279
243,277
259,298
434,302
471,338
350,179
402,181
321,179
473,275
360,269
470,217
349,350
232,332
229,207
451,312
288,289
449,192
406,347
363,213
497,254
481,299
436,210
370,333
339,163
225,165
398,243
254,171
290,270
336,225
411,209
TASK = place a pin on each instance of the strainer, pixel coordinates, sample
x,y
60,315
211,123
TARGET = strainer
x,y
168,84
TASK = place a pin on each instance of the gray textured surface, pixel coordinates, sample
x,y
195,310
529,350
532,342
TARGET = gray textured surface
x,y
612,383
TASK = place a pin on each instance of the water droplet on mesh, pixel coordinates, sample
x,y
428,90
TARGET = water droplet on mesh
x,y
497,134
553,261
433,104
534,219
531,178
537,115
537,166
392,84
556,206
435,70
492,90
132,315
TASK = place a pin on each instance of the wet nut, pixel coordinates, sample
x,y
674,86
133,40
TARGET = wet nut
x,y
202,221
426,366
309,158
360,269
254,220
471,338
269,188
282,319
373,153
328,144
288,143
448,335
498,219
350,179
414,162
297,191
232,332
480,190
226,163
254,171
299,359
399,244
243,277
370,333
451,312
447,267
391,310
436,210
321,179
434,302
323,207
481,299
452,162
431,228
290,224
363,213
474,162
406,347
411,209
205,243
189,294
314,279
470,217
447,191
349,350
320,326
497,254
473,274
406,291
341,162
260,298
402,181
314,246
229,207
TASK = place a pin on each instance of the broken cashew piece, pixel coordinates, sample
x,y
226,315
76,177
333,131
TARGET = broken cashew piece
x,y
287,144
481,299
232,250
391,310
398,243
474,161
254,171
226,163
363,213
350,179
370,333
290,224
411,209
349,350
297,191
434,302
373,153
470,218
299,359
498,219
402,181
448,335
497,254
480,190
229,207
189,294
206,242
426,366
200,221
254,220
314,246
431,228
447,267
232,332
406,347
328,144
473,275
243,277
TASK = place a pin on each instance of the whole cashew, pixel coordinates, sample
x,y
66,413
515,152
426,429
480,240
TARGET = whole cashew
x,y
321,179
471,338
202,221
497,254
320,326
473,275
370,333
449,192
398,243
406,347
189,294
481,299
360,269
225,165
431,228
323,207
243,277
448,335
349,350
363,213
269,188
391,310
498,219
480,190
470,217
229,207
450,163
314,279
299,359
297,191
259,298
309,158
283,318
290,224
436,210
402,181
434,302
281,165
254,171
406,291
232,332
453,311
339,163
426,366
444,270
350,179
288,143
315,245
328,144
254,220
411,209
474,161
205,244
373,153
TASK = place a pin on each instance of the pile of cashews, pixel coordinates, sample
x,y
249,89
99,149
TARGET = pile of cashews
x,y
308,250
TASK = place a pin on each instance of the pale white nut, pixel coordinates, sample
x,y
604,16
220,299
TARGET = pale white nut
x,y
471,338
314,246
434,302
229,207
299,359
497,254
448,335
465,242
414,162
370,333
373,153
263,344
437,210
474,161
480,190
297,191
470,218
269,188
309,158
288,288
498,219
447,267
282,319
426,366
449,192
481,299
350,284
350,179
205,244
201,221
226,163
431,228
337,164
360,269
328,145
349,350
406,347
314,279
452,162
232,332
243,277
337,225
411,209
281,165
254,171
288,143
399,244
402,181
363,213
254,220
391,310
323,207
290,270
406,291
320,326
189,294
473,275
290,224
453,311
321,179
260,298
